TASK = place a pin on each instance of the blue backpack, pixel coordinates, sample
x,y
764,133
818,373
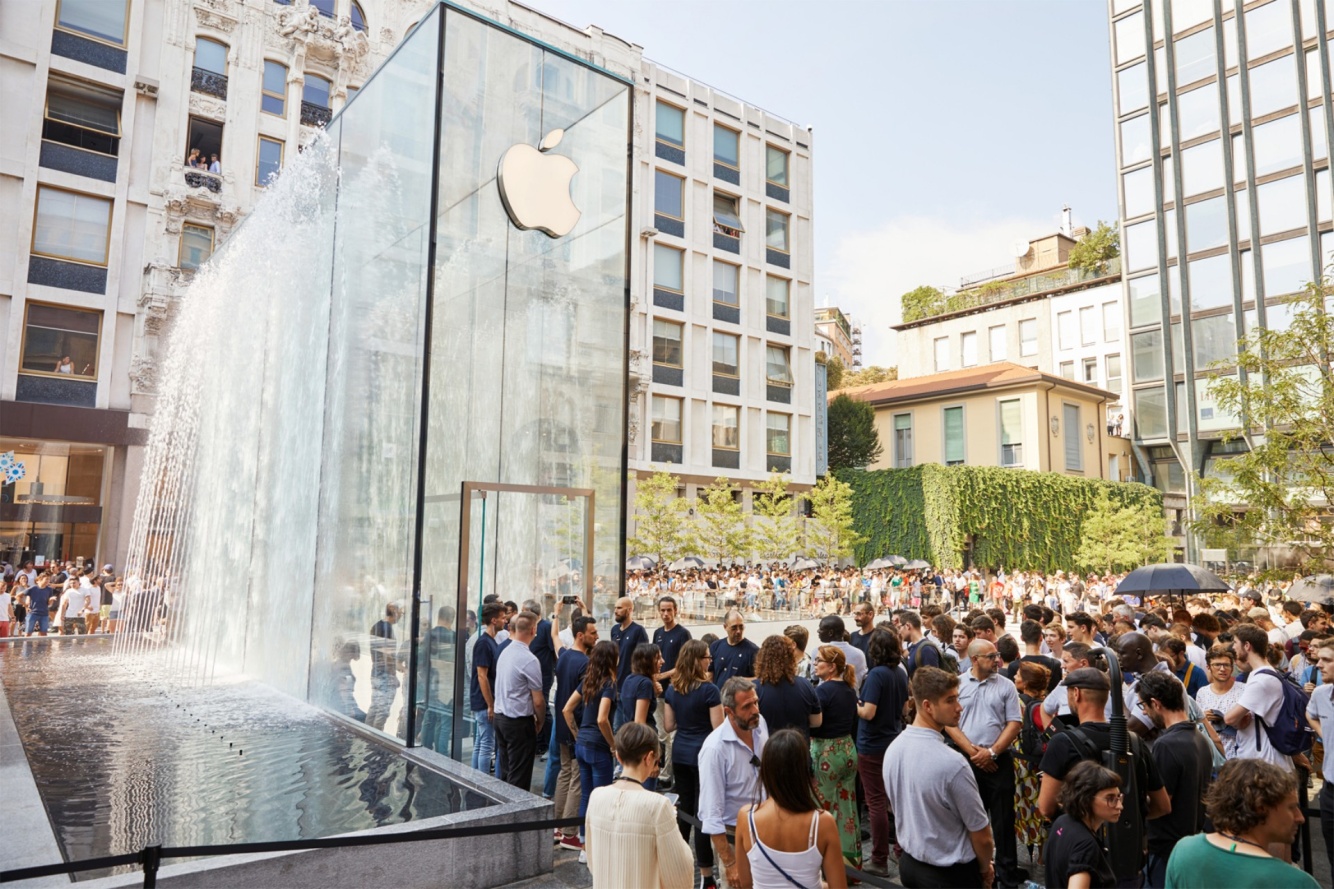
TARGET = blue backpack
x,y
1291,733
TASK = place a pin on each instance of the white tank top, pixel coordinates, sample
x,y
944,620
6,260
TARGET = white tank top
x,y
801,868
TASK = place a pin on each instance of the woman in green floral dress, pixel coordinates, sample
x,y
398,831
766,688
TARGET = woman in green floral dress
x,y
832,750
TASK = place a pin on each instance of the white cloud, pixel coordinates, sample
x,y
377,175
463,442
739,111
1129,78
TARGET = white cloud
x,y
872,269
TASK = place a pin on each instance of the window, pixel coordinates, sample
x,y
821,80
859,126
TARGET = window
x,y
82,115
1195,59
726,149
1065,330
669,197
1111,322
775,230
270,160
315,91
667,268
210,56
358,18
274,98
726,427
1268,29
1011,433
1067,370
1028,337
52,334
100,19
666,425
777,366
1282,205
725,290
666,343
942,353
196,245
996,344
775,165
776,294
1273,86
725,349
727,215
778,435
1088,325
206,136
968,349
902,441
1091,371
954,451
671,122
1145,301
1114,373
325,7
1132,88
72,226
1074,454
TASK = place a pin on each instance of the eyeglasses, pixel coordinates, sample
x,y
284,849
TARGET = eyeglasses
x,y
1114,801
1224,665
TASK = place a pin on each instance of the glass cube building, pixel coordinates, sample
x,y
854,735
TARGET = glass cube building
x,y
1223,132
421,398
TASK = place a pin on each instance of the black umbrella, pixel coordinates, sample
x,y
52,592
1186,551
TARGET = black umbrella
x,y
686,562
1316,589
804,564
640,563
1172,577
917,565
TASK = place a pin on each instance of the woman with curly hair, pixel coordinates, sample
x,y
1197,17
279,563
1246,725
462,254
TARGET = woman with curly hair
x,y
1075,857
692,707
832,748
1253,806
786,700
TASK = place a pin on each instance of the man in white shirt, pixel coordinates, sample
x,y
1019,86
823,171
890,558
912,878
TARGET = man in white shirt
x,y
1262,699
1292,613
729,770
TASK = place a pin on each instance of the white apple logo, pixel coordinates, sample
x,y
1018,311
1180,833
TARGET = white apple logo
x,y
535,187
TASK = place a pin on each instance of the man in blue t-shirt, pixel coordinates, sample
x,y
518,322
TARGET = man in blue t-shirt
x,y
481,687
626,634
669,638
39,606
571,664
735,655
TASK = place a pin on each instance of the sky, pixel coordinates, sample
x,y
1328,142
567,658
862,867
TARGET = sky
x,y
946,131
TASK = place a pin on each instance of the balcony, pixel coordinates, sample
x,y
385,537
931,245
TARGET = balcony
x,y
314,115
999,291
203,179
210,83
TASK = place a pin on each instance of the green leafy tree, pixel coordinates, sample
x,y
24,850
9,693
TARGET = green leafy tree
x,y
1276,492
1146,527
1093,251
834,371
660,519
830,530
868,375
923,302
853,441
1114,537
720,523
776,529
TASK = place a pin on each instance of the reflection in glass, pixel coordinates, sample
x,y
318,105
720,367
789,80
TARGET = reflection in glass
x,y
1146,355
1139,197
1132,88
1135,140
1278,315
1268,29
1145,300
1273,86
1197,112
1282,205
1210,282
1141,248
1210,416
1233,99
1150,413
1319,138
1202,168
1195,57
1129,38
1206,224
1278,145
1178,349
1287,266
1213,339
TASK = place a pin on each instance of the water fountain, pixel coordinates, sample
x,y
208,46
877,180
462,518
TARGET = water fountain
x,y
381,394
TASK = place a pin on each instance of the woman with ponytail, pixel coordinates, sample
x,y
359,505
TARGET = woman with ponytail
x,y
832,749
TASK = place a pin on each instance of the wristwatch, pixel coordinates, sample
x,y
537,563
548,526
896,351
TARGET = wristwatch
x,y
992,752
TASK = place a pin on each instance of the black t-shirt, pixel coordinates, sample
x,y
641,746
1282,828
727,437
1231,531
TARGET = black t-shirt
x,y
838,703
861,641
637,687
1012,669
788,705
887,688
626,640
1064,752
570,669
922,653
1185,763
670,642
732,660
1073,849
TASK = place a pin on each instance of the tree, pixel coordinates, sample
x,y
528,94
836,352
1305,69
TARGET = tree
x,y
1146,529
829,530
923,302
868,375
1096,249
776,530
853,441
1114,537
660,519
721,523
1277,491
834,372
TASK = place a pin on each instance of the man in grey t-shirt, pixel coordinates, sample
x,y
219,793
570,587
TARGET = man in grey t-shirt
x,y
943,827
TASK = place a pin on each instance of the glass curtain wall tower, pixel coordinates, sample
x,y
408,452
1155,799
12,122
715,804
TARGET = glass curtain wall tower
x,y
1223,133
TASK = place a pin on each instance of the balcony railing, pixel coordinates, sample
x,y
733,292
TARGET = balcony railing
x,y
203,179
210,83
1002,291
314,115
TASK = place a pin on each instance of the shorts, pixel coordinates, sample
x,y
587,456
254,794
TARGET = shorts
x,y
42,622
104,612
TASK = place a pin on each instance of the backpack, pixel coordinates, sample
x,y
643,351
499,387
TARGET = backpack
x,y
1291,733
1033,741
949,661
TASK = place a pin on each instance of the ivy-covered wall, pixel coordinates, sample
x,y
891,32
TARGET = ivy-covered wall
x,y
958,516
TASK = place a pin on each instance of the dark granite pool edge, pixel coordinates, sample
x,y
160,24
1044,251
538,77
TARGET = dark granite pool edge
x,y
31,846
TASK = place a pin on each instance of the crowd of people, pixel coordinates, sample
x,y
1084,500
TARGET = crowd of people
x,y
61,598
945,741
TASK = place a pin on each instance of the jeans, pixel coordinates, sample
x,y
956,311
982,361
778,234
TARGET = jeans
x,y
41,621
870,768
595,765
549,779
483,743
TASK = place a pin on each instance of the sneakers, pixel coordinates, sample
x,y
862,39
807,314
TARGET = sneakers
x,y
708,883
583,857
875,869
557,837
572,843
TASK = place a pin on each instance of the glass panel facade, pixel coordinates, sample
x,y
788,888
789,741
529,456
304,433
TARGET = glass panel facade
x,y
1202,168
1146,355
1141,247
1287,266
1150,412
1132,88
1197,112
1268,29
1139,196
1277,145
1210,283
1273,86
1214,339
1195,57
1282,205
1136,140
1129,38
1206,224
1145,301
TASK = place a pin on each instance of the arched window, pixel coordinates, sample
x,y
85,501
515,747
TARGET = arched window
x,y
210,56
325,7
358,18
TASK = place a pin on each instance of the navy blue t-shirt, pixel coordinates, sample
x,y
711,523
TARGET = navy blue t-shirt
x,y
545,653
484,654
887,688
637,687
39,600
732,660
570,669
788,705
693,724
670,642
922,653
838,702
861,641
626,640
589,733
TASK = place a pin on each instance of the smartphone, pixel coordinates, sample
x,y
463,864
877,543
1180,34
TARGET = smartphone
x,y
568,600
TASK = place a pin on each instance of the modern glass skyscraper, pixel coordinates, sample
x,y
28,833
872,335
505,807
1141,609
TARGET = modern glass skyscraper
x,y
1222,150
